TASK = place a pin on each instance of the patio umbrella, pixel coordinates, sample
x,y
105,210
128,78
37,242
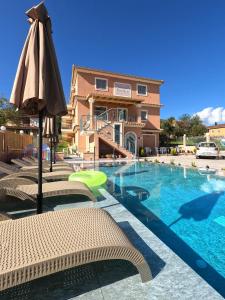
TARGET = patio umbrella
x,y
37,88
51,132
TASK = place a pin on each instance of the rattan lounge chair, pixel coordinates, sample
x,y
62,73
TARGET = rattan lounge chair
x,y
44,244
33,162
4,216
13,172
22,188
27,167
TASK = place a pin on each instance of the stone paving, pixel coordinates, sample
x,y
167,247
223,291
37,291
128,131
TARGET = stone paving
x,y
189,160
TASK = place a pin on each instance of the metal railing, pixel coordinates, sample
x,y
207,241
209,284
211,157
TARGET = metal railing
x,y
85,122
116,115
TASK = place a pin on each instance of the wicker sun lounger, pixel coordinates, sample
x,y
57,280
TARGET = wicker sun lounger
x,y
13,172
44,244
24,189
4,216
27,167
46,169
32,162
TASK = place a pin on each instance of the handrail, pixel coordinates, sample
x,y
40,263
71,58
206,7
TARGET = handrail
x,y
106,112
85,125
111,126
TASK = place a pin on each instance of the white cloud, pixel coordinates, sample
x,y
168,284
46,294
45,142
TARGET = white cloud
x,y
211,115
213,186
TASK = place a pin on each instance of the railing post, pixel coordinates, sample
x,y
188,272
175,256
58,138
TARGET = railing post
x,y
91,104
94,157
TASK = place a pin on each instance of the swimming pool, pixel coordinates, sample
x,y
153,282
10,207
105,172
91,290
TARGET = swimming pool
x,y
185,209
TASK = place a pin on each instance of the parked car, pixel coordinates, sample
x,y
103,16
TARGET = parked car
x,y
206,149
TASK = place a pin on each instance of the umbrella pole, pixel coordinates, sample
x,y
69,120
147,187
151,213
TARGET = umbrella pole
x,y
40,195
51,154
54,152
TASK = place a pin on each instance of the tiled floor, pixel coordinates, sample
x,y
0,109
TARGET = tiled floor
x,y
172,278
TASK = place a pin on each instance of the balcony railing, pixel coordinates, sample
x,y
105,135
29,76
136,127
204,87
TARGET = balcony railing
x,y
66,125
117,115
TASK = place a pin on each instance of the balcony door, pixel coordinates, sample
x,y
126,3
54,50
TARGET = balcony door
x,y
118,133
122,114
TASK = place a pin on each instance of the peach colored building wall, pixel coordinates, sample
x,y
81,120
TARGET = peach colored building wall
x,y
86,85
83,89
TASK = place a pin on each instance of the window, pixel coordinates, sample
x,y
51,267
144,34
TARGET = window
x,y
122,89
100,112
101,84
144,115
142,89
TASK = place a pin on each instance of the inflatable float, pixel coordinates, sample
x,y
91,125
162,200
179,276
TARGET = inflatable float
x,y
93,179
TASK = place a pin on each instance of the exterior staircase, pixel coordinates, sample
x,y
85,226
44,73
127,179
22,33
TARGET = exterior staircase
x,y
105,133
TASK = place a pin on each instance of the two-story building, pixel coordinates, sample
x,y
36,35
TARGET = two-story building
x,y
217,130
111,113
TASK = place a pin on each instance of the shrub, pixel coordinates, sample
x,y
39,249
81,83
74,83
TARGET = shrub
x,y
193,164
62,145
172,162
173,151
142,151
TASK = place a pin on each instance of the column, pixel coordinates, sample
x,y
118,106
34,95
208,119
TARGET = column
x,y
138,106
91,107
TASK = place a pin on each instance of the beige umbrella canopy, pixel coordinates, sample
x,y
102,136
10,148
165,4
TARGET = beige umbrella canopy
x,y
50,127
38,85
37,88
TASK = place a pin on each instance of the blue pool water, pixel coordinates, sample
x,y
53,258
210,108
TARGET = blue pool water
x,y
184,209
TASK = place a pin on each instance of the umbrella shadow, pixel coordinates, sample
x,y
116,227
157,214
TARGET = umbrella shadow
x,y
198,209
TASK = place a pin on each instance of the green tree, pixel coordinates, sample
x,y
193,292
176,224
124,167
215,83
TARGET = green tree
x,y
168,127
186,124
168,130
197,127
8,113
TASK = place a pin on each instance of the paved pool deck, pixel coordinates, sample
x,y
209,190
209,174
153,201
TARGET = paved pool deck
x,y
188,161
172,277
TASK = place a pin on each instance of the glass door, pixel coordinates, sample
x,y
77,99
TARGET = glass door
x,y
117,135
122,114
130,142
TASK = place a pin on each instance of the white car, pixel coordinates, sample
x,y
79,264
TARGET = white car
x,y
205,149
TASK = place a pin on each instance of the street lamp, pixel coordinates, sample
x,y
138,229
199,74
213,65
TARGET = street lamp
x,y
3,128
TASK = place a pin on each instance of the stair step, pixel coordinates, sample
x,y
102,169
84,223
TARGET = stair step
x,y
115,145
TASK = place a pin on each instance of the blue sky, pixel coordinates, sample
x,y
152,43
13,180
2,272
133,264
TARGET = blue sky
x,y
179,41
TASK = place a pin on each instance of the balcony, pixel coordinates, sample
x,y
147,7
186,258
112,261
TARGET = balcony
x,y
67,126
134,124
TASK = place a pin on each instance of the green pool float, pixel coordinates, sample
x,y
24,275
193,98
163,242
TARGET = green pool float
x,y
93,179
